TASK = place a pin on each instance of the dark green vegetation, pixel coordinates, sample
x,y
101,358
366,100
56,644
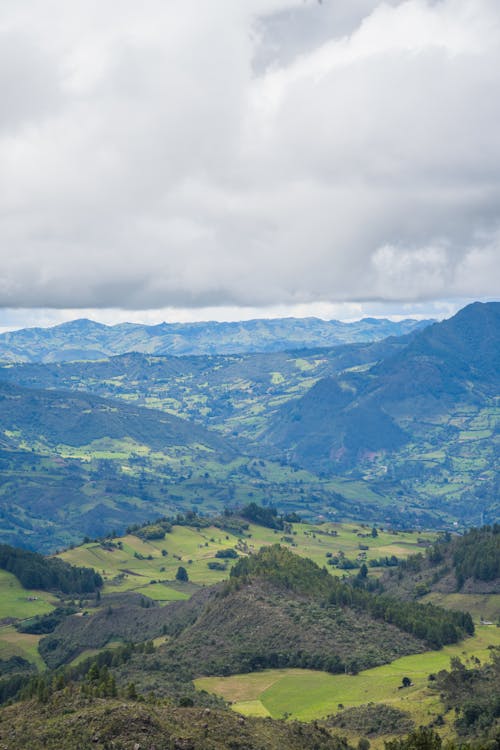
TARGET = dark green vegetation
x,y
401,431
87,340
468,564
34,571
372,720
43,624
277,610
474,695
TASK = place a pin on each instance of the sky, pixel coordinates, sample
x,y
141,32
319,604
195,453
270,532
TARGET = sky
x,y
187,160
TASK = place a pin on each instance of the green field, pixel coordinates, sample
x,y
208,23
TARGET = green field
x,y
140,565
19,603
481,606
13,643
307,695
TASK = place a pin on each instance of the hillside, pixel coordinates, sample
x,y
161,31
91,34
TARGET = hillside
x,y
425,417
77,723
278,610
73,464
402,432
35,417
88,340
456,566
234,394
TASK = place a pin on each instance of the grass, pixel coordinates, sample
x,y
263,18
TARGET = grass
x,y
486,606
129,569
15,601
307,695
13,643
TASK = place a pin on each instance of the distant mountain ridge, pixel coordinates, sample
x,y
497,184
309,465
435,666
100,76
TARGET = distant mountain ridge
x,y
88,340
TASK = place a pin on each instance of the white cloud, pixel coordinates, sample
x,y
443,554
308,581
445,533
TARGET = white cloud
x,y
186,154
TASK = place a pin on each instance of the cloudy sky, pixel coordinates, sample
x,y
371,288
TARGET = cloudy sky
x,y
183,159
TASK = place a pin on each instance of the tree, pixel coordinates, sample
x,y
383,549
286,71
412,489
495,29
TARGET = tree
x,y
406,682
131,691
182,574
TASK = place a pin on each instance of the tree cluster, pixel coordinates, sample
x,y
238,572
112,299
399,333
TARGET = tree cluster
x,y
34,571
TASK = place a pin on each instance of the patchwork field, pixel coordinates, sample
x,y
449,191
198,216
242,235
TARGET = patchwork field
x,y
307,695
132,564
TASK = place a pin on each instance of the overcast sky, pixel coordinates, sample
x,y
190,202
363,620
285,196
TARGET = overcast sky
x,y
185,159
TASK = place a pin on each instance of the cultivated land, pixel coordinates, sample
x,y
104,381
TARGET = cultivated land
x,y
140,565
19,603
402,431
307,694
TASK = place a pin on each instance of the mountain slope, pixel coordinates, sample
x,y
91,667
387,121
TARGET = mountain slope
x,y
233,393
55,417
88,340
75,723
440,390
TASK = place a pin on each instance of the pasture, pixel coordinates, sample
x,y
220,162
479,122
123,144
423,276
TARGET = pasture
x,y
149,567
306,694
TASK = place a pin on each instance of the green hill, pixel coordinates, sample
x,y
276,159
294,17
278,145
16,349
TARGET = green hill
x,y
34,417
278,610
458,567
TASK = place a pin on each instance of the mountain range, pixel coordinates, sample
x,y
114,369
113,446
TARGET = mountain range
x,y
87,340
404,430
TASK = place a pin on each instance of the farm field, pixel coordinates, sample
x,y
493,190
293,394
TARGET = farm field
x,y
19,603
306,695
481,606
25,645
132,564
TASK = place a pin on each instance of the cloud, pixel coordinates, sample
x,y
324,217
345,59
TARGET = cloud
x,y
265,152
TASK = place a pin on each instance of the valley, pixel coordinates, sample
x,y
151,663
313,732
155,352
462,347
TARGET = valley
x,y
304,542
402,431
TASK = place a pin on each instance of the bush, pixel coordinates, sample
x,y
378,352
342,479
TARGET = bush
x,y
182,574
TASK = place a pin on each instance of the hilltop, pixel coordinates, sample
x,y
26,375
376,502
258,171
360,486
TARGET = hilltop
x,y
77,723
278,610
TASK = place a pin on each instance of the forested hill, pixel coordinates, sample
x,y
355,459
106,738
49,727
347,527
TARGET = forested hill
x,y
52,418
277,610
468,564
35,571
88,340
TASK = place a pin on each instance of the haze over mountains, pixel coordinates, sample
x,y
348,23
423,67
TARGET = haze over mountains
x,y
86,339
403,430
